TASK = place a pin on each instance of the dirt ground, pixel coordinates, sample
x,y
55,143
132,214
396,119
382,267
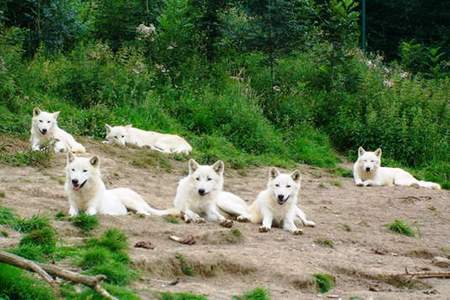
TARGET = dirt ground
x,y
363,253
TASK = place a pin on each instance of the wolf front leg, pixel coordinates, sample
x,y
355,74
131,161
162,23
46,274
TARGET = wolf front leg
x,y
289,225
190,216
213,214
356,178
267,220
35,146
302,217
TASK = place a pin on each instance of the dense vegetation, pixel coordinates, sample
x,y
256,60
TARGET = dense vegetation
x,y
255,82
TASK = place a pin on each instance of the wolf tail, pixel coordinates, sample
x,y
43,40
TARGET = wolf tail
x,y
429,185
233,205
163,212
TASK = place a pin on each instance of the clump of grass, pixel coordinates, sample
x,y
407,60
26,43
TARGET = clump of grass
x,y
85,222
113,239
172,219
60,216
341,172
33,223
325,243
7,217
324,282
400,227
180,296
233,236
186,268
18,284
256,294
116,272
151,159
40,159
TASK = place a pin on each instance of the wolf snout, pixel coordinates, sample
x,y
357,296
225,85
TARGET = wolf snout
x,y
44,131
75,182
282,199
202,192
367,169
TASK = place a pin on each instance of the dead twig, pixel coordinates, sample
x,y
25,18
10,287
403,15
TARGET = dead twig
x,y
426,274
45,269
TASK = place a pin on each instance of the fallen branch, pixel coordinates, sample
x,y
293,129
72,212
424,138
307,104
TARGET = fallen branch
x,y
427,274
45,269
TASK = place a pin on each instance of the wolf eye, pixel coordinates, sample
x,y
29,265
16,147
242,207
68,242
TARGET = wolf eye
x,y
209,179
123,136
84,171
115,137
277,185
48,121
288,186
198,178
73,170
41,121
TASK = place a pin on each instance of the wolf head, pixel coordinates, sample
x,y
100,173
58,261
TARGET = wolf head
x,y
80,171
369,162
284,186
44,122
206,179
117,134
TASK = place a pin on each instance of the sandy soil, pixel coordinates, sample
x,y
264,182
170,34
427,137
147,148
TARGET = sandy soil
x,y
353,218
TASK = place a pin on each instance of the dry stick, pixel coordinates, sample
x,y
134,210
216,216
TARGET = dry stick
x,y
427,274
44,270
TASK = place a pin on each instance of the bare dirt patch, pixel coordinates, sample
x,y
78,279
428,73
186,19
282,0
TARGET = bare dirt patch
x,y
363,253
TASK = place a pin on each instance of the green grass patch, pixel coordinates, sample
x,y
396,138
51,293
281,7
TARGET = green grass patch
x,y
324,282
112,239
180,296
60,216
325,243
85,222
20,285
151,159
172,219
185,266
256,294
36,222
39,159
400,227
7,217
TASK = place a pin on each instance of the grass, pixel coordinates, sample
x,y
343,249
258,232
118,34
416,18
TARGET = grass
x,y
7,217
180,296
400,227
60,216
325,243
85,222
324,282
151,159
20,285
112,239
33,223
39,159
185,267
172,219
256,294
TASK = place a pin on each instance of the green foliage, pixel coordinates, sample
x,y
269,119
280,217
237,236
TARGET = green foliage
x,y
7,217
324,282
256,294
325,243
18,284
36,222
85,222
112,239
180,296
185,266
40,159
400,226
171,219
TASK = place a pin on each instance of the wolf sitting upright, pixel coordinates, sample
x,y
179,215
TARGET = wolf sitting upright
x,y
367,171
166,143
87,192
199,193
44,129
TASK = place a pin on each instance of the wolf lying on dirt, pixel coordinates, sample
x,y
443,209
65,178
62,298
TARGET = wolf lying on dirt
x,y
45,130
276,204
367,171
199,193
87,192
166,143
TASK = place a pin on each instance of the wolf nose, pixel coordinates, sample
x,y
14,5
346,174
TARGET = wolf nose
x,y
74,181
367,169
201,191
280,197
44,130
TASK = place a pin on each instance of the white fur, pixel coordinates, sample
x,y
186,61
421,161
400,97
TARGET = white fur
x,y
166,143
276,204
367,171
45,131
199,192
91,195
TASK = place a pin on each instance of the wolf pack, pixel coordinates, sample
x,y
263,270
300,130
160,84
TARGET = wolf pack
x,y
200,196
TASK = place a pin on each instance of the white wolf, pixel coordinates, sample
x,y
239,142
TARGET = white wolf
x,y
276,204
367,171
167,143
87,192
45,130
200,193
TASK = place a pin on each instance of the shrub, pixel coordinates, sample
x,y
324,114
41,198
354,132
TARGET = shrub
x,y
324,282
85,222
399,226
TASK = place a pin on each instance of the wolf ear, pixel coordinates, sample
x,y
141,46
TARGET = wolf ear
x,y
193,165
36,111
361,151
70,157
56,114
273,172
218,166
296,176
94,161
378,152
108,128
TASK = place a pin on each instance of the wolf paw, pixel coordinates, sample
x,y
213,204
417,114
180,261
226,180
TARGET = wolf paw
x,y
264,229
199,220
360,184
226,223
242,219
297,232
